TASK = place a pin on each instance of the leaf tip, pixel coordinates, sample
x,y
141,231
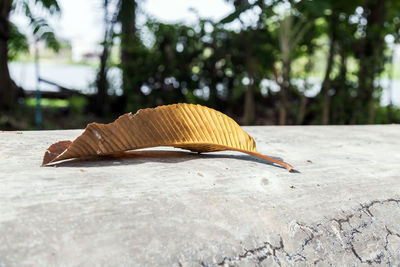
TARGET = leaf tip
x,y
54,151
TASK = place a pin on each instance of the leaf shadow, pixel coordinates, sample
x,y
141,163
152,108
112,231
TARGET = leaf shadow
x,y
158,156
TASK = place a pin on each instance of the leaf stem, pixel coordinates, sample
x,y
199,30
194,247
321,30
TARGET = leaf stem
x,y
261,156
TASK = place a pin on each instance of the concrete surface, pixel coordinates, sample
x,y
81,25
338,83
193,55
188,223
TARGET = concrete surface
x,y
172,208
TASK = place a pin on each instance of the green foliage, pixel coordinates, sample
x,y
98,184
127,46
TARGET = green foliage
x,y
50,6
47,102
388,114
18,42
41,30
77,104
212,65
261,71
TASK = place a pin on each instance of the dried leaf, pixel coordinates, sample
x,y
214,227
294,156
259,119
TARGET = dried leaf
x,y
186,126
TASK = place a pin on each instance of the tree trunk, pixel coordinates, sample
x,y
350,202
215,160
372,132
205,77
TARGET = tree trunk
x,y
342,93
371,59
326,84
129,47
301,112
249,105
285,87
101,99
390,114
102,83
127,17
8,89
249,115
282,97
213,99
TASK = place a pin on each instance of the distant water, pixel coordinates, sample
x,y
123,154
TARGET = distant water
x,y
82,78
75,77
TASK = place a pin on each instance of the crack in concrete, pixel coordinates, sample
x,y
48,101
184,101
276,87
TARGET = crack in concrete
x,y
250,252
316,233
389,233
366,208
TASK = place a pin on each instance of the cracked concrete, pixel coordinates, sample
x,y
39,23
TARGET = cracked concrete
x,y
222,209
363,238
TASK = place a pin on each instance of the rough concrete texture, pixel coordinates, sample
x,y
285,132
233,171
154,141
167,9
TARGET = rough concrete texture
x,y
175,208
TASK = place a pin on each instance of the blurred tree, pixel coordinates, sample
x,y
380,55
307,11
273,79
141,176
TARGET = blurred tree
x,y
291,31
175,52
326,83
253,56
41,30
224,69
17,43
8,89
101,103
257,64
329,10
133,56
374,25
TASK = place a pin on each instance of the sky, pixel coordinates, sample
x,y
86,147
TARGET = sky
x,y
81,21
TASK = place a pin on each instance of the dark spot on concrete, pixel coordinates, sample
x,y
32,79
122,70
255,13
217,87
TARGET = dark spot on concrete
x,y
265,181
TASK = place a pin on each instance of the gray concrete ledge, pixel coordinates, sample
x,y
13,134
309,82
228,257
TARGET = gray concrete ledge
x,y
218,209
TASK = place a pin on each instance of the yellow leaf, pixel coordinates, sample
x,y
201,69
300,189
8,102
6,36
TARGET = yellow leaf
x,y
193,127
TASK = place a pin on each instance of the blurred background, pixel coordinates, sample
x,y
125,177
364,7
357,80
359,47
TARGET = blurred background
x,y
65,63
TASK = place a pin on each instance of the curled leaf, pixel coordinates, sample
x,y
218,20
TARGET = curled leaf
x,y
193,127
